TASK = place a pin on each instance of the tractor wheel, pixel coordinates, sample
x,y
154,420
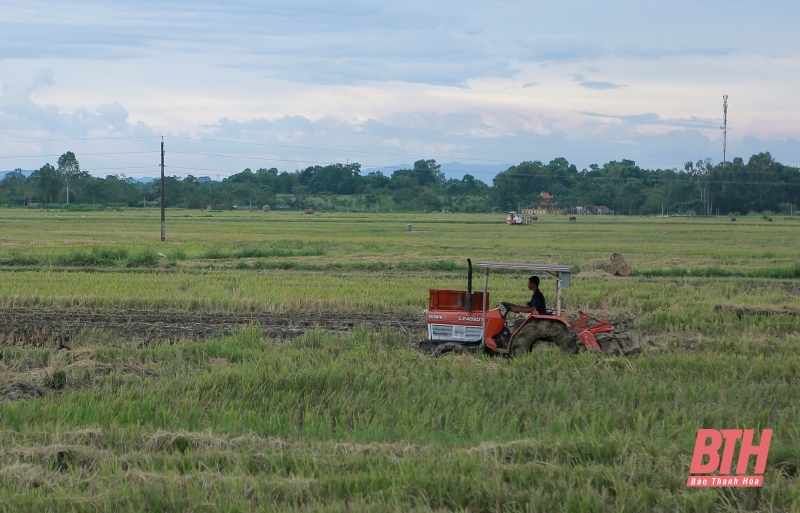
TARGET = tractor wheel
x,y
449,348
541,334
426,346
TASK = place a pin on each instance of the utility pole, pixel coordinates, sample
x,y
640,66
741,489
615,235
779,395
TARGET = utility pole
x,y
724,129
163,218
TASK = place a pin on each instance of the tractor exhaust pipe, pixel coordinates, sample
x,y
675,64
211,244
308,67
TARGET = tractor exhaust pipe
x,y
469,285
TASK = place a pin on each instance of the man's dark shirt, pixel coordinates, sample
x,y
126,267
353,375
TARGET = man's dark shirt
x,y
537,302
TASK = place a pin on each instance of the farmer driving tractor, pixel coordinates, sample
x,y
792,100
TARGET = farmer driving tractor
x,y
536,304
463,321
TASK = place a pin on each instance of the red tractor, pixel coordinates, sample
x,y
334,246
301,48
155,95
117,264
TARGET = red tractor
x,y
460,321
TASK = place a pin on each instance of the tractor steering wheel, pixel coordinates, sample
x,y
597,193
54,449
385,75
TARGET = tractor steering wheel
x,y
507,309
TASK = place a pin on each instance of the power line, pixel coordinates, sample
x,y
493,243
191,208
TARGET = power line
x,y
201,169
82,155
332,149
118,168
222,141
83,139
243,157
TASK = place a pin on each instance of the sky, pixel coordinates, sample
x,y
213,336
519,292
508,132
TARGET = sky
x,y
289,84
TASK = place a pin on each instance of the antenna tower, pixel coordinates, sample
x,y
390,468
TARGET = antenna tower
x,y
163,219
724,129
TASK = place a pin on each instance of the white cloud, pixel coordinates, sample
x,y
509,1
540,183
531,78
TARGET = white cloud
x,y
599,85
512,81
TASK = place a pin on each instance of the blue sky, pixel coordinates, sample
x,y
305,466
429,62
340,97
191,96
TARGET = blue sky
x,y
287,84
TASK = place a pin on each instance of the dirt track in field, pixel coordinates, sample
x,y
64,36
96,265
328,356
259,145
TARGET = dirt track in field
x,y
36,326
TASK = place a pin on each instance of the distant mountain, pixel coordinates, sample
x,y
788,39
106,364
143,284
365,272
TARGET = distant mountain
x,y
143,180
24,172
146,179
483,172
457,170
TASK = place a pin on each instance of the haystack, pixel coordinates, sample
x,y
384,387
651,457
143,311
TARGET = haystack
x,y
616,266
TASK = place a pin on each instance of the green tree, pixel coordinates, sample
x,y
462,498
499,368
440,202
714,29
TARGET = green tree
x,y
68,168
520,184
300,195
48,183
12,188
372,196
428,172
335,178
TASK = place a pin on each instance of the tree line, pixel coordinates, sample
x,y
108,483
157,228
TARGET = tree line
x,y
759,185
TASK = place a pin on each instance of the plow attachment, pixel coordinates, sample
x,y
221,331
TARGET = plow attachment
x,y
622,344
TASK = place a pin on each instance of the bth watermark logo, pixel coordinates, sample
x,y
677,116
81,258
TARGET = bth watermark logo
x,y
708,444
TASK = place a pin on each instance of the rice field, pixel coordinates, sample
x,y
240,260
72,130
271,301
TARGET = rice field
x,y
326,241
357,421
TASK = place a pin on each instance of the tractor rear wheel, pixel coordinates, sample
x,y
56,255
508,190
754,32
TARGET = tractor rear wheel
x,y
543,333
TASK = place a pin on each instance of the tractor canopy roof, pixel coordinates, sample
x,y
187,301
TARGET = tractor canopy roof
x,y
559,272
553,268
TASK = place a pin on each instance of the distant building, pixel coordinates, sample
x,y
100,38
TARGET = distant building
x,y
544,206
204,179
592,210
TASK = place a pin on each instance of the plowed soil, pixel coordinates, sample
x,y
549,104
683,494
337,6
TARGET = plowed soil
x,y
26,326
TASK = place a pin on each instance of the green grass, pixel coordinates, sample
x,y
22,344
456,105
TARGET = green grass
x,y
331,422
359,423
95,257
195,238
717,272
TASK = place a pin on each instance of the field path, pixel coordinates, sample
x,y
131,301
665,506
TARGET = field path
x,y
42,325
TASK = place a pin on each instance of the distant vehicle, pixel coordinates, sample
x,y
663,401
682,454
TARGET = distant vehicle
x,y
513,218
